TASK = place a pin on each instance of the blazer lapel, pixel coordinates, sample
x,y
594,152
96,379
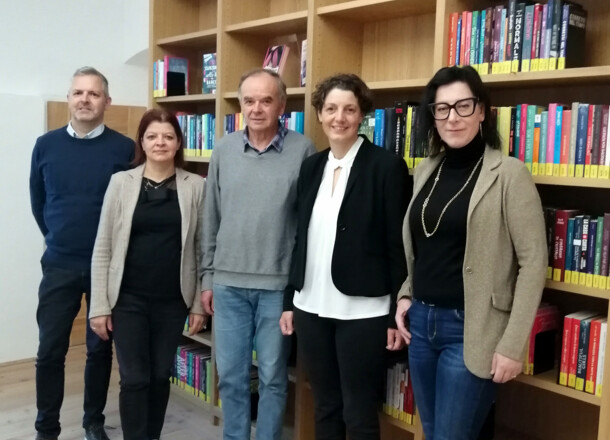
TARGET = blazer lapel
x,y
487,176
316,180
185,196
131,194
359,164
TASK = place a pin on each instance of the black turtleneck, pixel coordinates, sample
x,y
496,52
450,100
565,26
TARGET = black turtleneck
x,y
438,277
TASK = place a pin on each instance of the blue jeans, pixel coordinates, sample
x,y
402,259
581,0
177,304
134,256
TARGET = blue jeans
x,y
59,299
240,315
452,402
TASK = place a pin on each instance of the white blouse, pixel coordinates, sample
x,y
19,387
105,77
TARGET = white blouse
x,y
319,294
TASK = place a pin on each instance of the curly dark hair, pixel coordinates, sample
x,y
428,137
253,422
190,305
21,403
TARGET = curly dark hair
x,y
343,81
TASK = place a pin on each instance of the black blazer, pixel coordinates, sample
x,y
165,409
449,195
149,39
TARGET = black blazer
x,y
368,256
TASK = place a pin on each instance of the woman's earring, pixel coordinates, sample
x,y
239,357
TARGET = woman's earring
x,y
481,128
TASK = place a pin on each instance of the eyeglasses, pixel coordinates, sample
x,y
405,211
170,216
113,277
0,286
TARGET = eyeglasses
x,y
463,107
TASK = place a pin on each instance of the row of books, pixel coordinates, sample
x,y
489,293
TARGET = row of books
x,y
199,133
294,121
540,348
583,351
522,36
192,370
558,139
579,247
170,76
399,401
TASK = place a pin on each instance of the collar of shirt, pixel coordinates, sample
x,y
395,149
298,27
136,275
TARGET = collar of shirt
x,y
92,134
277,142
347,160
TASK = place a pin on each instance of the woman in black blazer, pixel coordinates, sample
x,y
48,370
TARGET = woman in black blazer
x,y
348,263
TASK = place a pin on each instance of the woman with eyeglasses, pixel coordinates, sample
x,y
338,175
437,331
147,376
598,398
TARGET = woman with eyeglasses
x,y
475,242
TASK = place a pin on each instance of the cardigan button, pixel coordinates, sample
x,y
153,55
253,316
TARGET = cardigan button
x,y
468,269
342,227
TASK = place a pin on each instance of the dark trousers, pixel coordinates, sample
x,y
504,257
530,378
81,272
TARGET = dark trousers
x,y
59,300
345,363
147,332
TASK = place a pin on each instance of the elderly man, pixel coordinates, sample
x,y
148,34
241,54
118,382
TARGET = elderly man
x,y
249,227
71,168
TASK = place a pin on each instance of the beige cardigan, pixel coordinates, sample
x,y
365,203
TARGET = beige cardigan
x,y
114,230
505,260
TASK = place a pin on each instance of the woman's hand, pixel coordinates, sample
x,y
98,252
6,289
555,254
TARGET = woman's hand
x,y
404,304
286,323
196,323
207,302
395,340
504,369
101,325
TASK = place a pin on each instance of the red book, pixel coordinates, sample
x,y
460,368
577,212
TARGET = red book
x,y
409,400
592,356
536,31
466,61
463,37
589,144
559,241
565,143
565,350
453,19
576,318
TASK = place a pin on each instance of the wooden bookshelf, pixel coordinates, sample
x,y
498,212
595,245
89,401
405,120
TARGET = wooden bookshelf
x,y
396,46
204,338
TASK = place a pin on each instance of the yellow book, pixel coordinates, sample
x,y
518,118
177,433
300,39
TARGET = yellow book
x,y
598,390
579,384
561,63
603,172
514,67
579,170
571,170
596,279
543,64
563,170
495,68
571,380
587,171
567,276
535,169
582,279
556,169
556,274
529,167
534,64
553,63
594,171
549,169
589,280
602,282
563,379
506,66
549,273
525,65
475,67
484,69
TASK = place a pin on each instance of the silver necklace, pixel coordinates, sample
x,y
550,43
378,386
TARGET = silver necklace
x,y
149,185
427,199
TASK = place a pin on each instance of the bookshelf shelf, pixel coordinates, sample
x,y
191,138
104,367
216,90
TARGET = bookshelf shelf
x,y
295,22
204,338
292,92
548,381
402,425
572,181
416,84
183,99
370,11
196,40
575,76
578,289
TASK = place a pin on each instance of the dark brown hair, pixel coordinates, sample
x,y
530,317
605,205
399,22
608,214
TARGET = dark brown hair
x,y
157,115
343,81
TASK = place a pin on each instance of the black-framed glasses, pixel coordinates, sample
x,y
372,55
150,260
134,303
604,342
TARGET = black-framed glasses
x,y
463,107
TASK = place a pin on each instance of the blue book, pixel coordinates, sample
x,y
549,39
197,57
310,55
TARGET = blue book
x,y
576,246
502,33
458,39
379,127
544,128
517,131
581,139
557,150
591,246
474,37
481,36
569,246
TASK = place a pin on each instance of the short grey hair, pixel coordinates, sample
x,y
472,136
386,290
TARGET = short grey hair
x,y
281,87
88,70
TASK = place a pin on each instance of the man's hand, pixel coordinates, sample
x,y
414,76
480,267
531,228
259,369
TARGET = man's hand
x,y
207,302
395,340
101,325
196,323
286,323
404,304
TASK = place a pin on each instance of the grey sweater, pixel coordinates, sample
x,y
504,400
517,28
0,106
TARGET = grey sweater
x,y
249,220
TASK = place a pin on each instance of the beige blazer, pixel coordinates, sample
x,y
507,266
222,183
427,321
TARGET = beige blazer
x,y
505,260
114,230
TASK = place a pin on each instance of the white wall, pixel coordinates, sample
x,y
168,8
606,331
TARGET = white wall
x,y
43,42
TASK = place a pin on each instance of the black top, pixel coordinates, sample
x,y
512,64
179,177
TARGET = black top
x,y
439,259
368,255
152,264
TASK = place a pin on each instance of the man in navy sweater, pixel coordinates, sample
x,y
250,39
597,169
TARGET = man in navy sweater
x,y
71,168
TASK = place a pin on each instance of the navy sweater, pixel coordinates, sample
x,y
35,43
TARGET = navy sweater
x,y
68,180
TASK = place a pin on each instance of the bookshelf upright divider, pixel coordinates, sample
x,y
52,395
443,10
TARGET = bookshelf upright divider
x,y
396,46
